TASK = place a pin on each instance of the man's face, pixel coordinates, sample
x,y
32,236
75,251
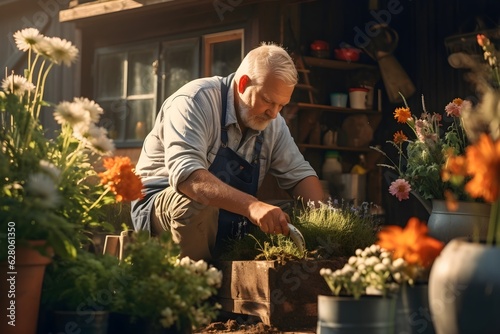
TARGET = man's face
x,y
259,105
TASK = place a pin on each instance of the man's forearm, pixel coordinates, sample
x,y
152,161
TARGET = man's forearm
x,y
309,189
203,187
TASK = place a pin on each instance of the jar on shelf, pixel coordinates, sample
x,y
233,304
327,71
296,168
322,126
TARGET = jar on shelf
x,y
332,165
332,171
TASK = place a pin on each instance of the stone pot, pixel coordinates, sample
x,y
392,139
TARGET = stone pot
x,y
470,220
413,314
83,322
464,289
347,315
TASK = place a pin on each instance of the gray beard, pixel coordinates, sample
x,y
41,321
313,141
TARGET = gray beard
x,y
248,121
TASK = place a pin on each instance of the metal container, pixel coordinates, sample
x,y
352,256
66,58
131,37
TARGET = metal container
x,y
349,187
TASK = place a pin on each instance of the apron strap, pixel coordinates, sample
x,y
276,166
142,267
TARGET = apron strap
x,y
225,83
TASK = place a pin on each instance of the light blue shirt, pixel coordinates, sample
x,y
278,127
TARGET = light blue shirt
x,y
187,135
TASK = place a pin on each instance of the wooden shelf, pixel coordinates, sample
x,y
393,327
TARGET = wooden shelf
x,y
334,147
323,107
336,64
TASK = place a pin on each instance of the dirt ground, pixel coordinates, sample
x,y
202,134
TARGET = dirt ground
x,y
232,323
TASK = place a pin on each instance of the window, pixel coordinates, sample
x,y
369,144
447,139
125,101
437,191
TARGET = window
x,y
223,52
179,64
133,81
126,90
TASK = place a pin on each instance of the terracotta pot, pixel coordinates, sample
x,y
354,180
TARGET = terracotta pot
x,y
470,220
464,289
367,315
21,287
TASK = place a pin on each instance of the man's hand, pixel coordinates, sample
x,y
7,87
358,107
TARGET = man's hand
x,y
269,218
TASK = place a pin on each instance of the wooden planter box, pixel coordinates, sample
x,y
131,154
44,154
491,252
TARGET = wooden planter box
x,y
282,295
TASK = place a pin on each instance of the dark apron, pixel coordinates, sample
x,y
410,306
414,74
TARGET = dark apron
x,y
235,171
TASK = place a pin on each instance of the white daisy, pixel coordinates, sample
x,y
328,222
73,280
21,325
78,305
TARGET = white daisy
x,y
97,140
43,189
95,111
72,113
27,38
43,47
17,84
61,51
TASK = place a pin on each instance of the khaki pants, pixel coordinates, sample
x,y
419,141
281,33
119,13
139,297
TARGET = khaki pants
x,y
192,225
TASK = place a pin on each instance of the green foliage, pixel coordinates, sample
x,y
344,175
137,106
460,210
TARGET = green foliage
x,y
164,290
49,187
328,231
84,283
335,231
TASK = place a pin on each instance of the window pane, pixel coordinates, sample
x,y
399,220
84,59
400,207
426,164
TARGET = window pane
x,y
226,57
141,76
179,65
113,119
110,75
140,119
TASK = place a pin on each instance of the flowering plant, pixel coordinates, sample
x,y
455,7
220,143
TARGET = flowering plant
x,y
400,256
421,159
478,169
165,291
50,188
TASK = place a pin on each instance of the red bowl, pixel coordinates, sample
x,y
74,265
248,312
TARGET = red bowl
x,y
347,54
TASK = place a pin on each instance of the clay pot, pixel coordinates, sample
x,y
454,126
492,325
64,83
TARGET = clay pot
x,y
21,286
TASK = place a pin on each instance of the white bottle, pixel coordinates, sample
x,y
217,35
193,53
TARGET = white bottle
x,y
332,168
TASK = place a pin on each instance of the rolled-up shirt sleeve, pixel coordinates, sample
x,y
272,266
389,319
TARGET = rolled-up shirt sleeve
x,y
189,128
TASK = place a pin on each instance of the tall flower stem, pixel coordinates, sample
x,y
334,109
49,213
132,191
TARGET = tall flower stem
x,y
42,89
104,193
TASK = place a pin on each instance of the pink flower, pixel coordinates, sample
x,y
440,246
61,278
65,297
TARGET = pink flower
x,y
401,189
452,109
455,107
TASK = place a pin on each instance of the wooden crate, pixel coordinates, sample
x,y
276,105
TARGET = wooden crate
x,y
282,295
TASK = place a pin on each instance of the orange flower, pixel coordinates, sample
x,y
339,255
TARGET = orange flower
x,y
482,40
455,169
402,114
483,163
458,101
399,138
121,179
411,243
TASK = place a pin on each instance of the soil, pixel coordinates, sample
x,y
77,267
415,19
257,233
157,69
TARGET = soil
x,y
246,325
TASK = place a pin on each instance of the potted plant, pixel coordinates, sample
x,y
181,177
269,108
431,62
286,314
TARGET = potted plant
x,y
422,159
365,289
281,283
162,293
50,192
474,282
78,292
